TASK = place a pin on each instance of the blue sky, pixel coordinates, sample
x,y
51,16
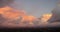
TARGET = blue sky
x,y
36,7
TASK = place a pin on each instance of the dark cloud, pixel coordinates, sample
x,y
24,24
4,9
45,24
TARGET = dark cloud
x,y
5,2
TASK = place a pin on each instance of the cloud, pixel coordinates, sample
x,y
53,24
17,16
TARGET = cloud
x,y
5,2
2,19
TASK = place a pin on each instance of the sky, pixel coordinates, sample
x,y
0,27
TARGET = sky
x,y
35,7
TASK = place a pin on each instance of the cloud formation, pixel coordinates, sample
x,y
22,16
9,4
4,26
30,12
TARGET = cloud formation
x,y
5,2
